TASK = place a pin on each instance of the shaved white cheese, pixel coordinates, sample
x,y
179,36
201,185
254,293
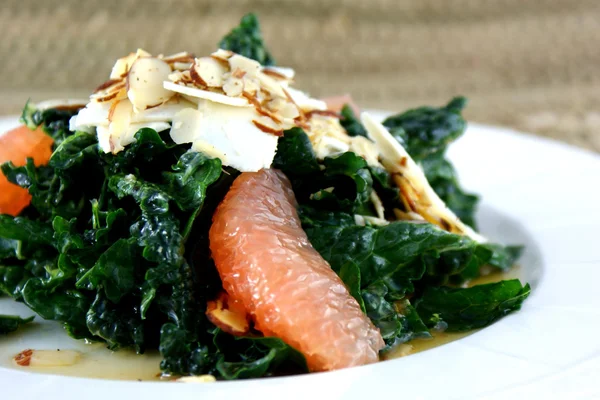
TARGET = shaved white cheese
x,y
412,181
162,113
94,114
227,133
206,95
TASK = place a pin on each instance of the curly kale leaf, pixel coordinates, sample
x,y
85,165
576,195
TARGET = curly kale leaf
x,y
341,182
458,309
351,123
10,323
428,130
246,40
120,325
253,357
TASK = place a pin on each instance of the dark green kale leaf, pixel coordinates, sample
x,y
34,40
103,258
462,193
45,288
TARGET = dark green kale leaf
x,y
351,123
428,130
458,309
246,40
115,271
253,357
120,325
182,356
384,253
295,155
341,182
10,323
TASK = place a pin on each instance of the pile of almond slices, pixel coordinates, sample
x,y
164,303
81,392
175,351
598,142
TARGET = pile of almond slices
x,y
226,105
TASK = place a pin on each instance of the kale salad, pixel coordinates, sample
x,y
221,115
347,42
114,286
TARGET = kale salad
x,y
111,229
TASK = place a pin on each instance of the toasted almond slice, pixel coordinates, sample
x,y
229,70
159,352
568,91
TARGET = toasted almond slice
x,y
182,57
110,91
249,66
229,319
205,94
181,66
210,71
47,358
281,73
122,66
197,379
233,87
144,82
223,55
410,179
271,85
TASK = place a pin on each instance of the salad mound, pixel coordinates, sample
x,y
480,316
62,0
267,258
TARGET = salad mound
x,y
114,240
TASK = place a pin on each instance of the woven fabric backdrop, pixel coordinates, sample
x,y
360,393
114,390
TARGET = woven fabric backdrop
x,y
527,64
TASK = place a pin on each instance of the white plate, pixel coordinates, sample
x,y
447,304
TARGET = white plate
x,y
537,192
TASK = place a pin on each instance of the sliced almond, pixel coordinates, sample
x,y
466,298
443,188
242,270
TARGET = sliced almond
x,y
233,86
280,73
144,82
223,55
110,91
249,66
210,71
47,358
197,379
229,320
182,57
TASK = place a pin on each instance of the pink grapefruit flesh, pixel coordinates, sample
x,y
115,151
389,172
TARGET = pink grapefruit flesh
x,y
267,264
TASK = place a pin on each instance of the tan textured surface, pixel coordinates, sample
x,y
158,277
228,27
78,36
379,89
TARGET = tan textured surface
x,y
528,64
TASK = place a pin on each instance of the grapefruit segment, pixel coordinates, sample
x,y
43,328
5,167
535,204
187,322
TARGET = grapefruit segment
x,y
16,146
268,265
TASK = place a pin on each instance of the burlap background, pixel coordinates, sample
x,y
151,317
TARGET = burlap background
x,y
528,64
